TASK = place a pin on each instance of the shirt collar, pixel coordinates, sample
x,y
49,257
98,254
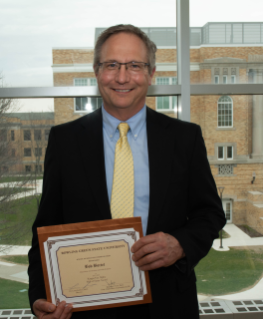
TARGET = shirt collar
x,y
110,123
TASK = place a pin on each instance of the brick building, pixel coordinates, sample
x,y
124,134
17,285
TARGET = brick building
x,y
24,138
220,53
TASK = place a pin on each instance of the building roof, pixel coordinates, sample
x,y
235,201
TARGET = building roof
x,y
215,33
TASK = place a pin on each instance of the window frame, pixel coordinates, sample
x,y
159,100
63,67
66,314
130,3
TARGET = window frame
x,y
232,114
89,99
25,151
171,79
223,157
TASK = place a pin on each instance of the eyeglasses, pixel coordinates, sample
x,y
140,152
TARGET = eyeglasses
x,y
132,67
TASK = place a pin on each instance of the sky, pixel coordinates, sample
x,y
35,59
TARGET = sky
x,y
29,29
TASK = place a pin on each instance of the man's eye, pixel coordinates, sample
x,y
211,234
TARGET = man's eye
x,y
111,65
135,66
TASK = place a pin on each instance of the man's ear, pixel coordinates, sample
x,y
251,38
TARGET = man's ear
x,y
151,76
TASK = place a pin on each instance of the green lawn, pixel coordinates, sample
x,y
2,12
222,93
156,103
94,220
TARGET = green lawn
x,y
18,223
227,272
10,295
20,259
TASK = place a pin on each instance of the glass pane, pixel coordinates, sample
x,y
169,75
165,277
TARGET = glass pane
x,y
229,152
220,152
226,41
47,41
237,133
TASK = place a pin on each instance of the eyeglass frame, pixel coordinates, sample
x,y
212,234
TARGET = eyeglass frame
x,y
120,64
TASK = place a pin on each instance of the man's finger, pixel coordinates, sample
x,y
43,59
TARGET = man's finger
x,y
43,306
148,259
146,249
144,241
157,264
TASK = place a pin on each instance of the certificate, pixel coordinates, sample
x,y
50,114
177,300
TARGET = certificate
x,y
90,265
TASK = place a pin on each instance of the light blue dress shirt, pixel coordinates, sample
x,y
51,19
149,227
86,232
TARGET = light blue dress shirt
x,y
137,138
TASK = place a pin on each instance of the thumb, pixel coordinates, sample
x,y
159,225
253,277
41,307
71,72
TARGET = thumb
x,y
44,306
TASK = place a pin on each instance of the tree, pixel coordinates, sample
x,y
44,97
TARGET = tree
x,y
12,225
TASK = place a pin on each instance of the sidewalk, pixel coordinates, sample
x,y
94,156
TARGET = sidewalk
x,y
237,238
13,272
38,189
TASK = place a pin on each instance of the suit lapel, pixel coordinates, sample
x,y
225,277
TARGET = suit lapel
x,y
160,150
90,139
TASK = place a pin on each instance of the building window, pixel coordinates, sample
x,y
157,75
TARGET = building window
x,y
225,112
27,135
87,104
27,152
38,151
47,134
12,135
225,79
216,79
229,152
227,206
3,135
224,152
5,169
166,103
38,168
13,152
233,79
220,152
28,168
37,135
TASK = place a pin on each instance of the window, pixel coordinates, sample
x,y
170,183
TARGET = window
x,y
227,206
5,169
166,103
12,135
233,79
216,79
28,168
220,152
225,112
224,152
38,168
37,135
13,152
3,135
229,153
47,134
27,135
225,79
27,152
38,151
87,104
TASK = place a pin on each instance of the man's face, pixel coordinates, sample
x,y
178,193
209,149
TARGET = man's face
x,y
123,92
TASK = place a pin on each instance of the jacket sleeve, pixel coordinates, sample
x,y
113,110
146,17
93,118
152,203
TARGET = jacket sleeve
x,y
205,215
49,213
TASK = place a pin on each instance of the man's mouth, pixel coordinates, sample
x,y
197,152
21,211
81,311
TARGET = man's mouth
x,y
122,91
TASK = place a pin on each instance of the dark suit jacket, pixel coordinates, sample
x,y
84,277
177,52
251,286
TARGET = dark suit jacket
x,y
183,199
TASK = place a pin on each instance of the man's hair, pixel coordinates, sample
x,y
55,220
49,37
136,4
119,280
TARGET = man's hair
x,y
126,28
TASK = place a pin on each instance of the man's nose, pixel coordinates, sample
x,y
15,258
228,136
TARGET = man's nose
x,y
122,75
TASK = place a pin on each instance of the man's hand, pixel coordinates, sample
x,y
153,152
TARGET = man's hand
x,y
46,310
156,250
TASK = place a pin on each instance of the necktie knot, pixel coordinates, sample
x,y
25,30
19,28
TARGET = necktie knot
x,y
123,129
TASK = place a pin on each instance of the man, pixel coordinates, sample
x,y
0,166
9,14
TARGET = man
x,y
174,191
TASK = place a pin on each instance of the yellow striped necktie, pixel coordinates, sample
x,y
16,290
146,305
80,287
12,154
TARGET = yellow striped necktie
x,y
122,196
